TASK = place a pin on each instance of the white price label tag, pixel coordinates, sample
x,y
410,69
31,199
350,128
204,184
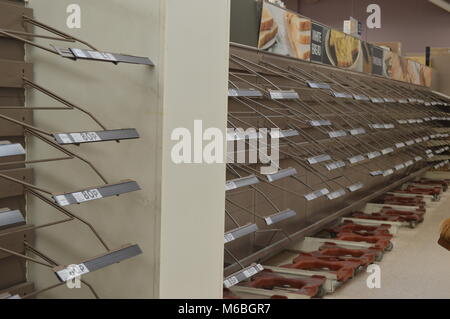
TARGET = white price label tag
x,y
230,282
79,53
250,272
87,195
230,186
61,200
388,172
85,137
228,237
373,155
102,56
73,271
232,92
387,151
65,138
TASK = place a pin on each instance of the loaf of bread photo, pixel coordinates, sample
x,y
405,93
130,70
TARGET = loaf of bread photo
x,y
298,31
268,29
266,20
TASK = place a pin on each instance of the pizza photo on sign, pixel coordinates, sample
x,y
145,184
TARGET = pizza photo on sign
x,y
343,50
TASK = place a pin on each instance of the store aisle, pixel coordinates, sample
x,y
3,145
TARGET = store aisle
x,y
417,267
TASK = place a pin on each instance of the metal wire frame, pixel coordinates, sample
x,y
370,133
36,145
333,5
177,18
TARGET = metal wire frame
x,y
247,101
285,75
64,211
47,262
254,256
266,117
67,105
353,103
64,37
70,155
300,161
293,78
353,84
233,203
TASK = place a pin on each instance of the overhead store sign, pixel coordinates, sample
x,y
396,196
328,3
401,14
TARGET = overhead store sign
x,y
288,33
284,32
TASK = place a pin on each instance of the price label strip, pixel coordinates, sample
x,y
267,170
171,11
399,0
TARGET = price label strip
x,y
316,123
10,218
66,273
317,194
388,172
357,131
335,134
244,93
360,97
242,275
341,95
90,194
11,150
376,100
336,194
356,159
319,158
278,217
241,182
355,187
409,163
239,232
283,95
335,165
315,85
284,173
98,136
283,133
83,54
373,155
387,150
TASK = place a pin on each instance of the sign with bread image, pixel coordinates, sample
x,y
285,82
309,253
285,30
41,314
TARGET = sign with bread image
x,y
299,35
268,30
288,33
284,32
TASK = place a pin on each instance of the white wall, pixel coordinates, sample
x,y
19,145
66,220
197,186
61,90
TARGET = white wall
x,y
177,218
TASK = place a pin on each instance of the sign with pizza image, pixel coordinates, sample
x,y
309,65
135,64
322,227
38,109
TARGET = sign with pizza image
x,y
288,33
344,51
284,32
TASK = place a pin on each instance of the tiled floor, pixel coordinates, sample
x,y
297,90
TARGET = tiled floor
x,y
417,267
